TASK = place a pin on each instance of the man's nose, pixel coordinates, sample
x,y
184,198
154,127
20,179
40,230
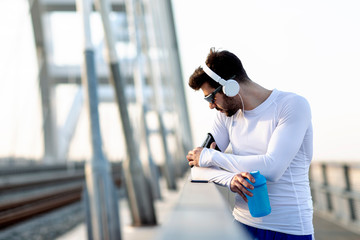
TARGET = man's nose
x,y
212,105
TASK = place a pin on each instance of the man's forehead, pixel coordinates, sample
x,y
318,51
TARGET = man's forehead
x,y
207,89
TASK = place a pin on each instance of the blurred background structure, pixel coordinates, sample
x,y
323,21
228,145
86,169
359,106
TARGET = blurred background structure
x,y
43,44
95,108
103,86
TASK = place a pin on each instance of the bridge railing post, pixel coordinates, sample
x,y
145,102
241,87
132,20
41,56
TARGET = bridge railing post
x,y
348,189
325,183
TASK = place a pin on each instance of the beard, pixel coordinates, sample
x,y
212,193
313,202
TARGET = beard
x,y
231,106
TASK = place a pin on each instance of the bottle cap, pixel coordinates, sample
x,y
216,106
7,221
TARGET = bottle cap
x,y
259,179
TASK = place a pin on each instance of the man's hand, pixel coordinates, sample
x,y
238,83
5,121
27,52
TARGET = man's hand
x,y
239,184
194,155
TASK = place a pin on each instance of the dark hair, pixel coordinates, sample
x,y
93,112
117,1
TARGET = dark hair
x,y
224,63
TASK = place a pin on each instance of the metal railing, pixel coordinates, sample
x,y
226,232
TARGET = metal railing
x,y
335,188
29,191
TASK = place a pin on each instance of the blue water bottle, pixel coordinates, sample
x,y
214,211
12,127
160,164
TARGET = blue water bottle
x,y
259,204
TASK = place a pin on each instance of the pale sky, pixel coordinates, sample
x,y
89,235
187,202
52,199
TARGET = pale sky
x,y
308,47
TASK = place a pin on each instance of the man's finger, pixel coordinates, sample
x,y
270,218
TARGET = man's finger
x,y
241,186
238,191
246,184
244,189
248,176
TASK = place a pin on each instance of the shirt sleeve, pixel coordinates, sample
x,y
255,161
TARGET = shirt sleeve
x,y
220,132
285,142
212,174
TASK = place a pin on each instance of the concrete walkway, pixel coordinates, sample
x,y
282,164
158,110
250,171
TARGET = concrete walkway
x,y
163,209
326,230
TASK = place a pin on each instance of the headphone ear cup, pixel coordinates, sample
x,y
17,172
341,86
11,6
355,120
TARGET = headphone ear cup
x,y
231,88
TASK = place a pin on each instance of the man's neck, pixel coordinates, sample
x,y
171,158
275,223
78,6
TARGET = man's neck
x,y
253,95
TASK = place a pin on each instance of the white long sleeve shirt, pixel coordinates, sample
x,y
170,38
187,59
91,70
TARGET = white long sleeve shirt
x,y
275,138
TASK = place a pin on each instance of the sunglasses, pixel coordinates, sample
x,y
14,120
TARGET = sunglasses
x,y
211,97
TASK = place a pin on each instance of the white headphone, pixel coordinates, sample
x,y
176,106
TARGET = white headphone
x,y
230,87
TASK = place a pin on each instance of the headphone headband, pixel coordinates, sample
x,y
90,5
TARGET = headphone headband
x,y
213,75
230,86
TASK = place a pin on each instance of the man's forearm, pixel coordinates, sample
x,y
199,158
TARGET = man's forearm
x,y
212,174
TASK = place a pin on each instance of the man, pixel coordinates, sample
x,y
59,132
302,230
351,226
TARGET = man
x,y
269,131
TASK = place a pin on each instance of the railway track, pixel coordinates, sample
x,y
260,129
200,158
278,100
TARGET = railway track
x,y
28,193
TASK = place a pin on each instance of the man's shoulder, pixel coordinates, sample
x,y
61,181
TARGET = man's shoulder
x,y
289,97
292,101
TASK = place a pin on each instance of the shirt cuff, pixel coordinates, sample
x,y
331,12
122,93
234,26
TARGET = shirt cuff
x,y
205,158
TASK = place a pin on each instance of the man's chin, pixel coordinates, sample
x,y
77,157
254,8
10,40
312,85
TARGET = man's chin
x,y
229,113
